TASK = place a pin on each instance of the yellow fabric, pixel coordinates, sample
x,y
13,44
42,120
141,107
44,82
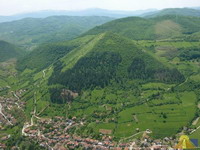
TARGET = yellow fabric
x,y
184,143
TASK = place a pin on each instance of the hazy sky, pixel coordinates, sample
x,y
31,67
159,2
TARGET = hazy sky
x,y
9,7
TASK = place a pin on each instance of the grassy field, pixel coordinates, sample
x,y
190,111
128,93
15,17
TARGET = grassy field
x,y
196,134
164,120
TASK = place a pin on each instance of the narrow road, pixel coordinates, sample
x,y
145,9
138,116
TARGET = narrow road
x,y
17,99
184,81
4,115
195,130
195,121
43,109
27,125
131,136
131,146
44,74
15,95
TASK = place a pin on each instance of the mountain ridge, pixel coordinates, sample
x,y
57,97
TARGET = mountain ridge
x,y
138,28
174,11
30,32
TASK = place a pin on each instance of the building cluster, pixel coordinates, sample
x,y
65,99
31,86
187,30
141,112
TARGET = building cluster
x,y
55,134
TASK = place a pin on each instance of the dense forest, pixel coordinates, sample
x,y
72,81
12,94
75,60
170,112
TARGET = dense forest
x,y
139,70
8,50
96,69
190,53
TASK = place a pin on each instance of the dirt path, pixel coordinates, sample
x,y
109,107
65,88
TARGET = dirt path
x,y
195,121
27,125
44,74
43,110
195,130
33,114
135,118
147,131
15,95
184,81
4,115
16,103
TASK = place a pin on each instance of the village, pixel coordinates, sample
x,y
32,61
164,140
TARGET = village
x,y
55,133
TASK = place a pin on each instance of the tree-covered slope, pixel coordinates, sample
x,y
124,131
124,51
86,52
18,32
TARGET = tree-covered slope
x,y
113,59
33,31
174,11
47,54
162,27
8,51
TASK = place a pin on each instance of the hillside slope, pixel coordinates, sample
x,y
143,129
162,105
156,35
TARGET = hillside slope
x,y
8,51
174,11
163,27
107,58
47,54
30,32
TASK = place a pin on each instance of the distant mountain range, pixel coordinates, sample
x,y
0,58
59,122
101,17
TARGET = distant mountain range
x,y
87,12
195,11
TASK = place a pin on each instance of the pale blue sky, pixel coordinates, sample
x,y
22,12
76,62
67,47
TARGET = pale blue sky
x,y
9,7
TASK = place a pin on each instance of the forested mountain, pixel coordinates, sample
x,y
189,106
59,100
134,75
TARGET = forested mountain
x,y
174,11
163,27
8,51
111,58
30,32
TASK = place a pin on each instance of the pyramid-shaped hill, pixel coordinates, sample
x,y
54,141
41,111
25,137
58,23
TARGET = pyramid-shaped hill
x,y
110,58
